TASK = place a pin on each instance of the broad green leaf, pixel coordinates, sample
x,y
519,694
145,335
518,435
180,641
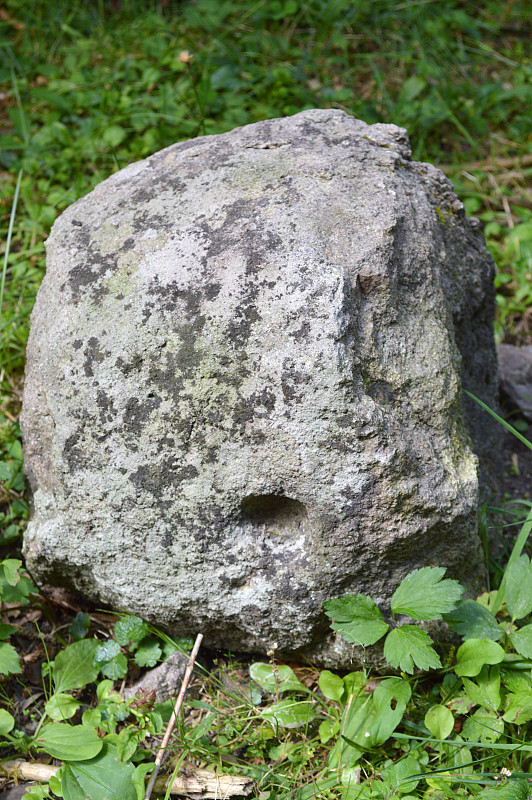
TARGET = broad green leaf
x,y
473,654
522,641
6,630
485,691
515,789
289,714
74,666
114,135
519,708
36,793
390,699
328,729
408,647
149,652
139,779
9,660
439,721
19,593
11,568
275,679
461,704
473,621
483,726
131,629
518,588
103,777
424,595
61,706
357,618
79,627
412,87
7,723
127,742
110,661
332,686
69,742
397,776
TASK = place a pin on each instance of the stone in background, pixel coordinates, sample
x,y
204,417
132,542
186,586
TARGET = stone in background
x,y
243,392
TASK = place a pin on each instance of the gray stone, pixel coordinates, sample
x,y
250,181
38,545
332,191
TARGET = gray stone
x,y
243,392
515,376
164,680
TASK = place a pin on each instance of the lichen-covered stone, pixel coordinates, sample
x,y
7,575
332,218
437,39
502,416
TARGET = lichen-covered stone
x,y
243,393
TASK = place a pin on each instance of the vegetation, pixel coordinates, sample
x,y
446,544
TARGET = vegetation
x,y
86,89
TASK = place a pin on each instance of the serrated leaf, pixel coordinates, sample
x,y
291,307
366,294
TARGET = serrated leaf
x,y
485,691
7,723
104,777
148,653
471,620
519,709
424,595
331,685
61,706
518,587
6,630
11,568
73,667
521,641
357,618
9,660
408,647
131,629
69,742
275,679
483,726
473,654
289,714
439,721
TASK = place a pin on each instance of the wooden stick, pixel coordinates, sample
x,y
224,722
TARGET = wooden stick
x,y
191,780
177,708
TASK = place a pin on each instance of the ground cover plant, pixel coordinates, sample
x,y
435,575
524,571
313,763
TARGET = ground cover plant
x,y
85,90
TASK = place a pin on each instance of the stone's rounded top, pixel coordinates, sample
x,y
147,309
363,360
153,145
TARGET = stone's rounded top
x,y
243,386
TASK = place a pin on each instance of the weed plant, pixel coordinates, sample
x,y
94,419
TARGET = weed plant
x,y
86,89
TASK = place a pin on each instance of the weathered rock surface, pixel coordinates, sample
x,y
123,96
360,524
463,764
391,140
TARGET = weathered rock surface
x,y
515,375
164,681
243,392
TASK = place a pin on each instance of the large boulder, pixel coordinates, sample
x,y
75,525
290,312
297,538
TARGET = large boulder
x,y
244,383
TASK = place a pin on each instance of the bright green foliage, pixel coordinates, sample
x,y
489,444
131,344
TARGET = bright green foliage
x,y
519,588
423,595
74,666
483,726
485,691
473,621
7,723
356,618
103,777
519,708
408,647
475,653
110,661
9,660
331,685
515,789
288,714
439,721
131,630
148,652
61,706
275,679
521,640
69,742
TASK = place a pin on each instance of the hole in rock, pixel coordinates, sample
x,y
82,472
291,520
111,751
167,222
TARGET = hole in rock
x,y
267,508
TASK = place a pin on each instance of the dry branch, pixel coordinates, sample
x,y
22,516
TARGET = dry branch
x,y
189,781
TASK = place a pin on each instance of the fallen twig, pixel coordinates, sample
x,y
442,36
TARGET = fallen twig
x,y
189,781
177,708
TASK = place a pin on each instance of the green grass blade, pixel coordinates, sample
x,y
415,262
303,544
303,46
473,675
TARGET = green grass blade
x,y
500,419
8,241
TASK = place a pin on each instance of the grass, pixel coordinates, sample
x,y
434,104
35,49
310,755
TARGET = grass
x,y
86,89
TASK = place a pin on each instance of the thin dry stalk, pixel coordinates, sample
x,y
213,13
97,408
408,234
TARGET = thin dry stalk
x,y
177,708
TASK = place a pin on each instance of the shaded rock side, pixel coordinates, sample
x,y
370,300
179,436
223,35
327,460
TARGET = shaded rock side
x,y
515,376
243,391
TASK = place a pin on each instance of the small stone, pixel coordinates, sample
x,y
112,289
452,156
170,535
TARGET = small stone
x,y
515,376
162,682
